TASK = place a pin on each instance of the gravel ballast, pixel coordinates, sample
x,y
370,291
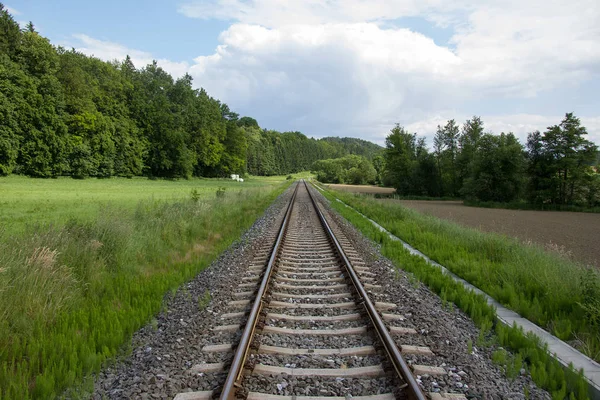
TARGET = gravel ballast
x,y
164,351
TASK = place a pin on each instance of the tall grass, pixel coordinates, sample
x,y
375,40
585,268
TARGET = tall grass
x,y
550,290
71,296
545,371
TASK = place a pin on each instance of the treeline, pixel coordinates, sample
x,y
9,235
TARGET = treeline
x,y
352,169
273,153
558,166
64,113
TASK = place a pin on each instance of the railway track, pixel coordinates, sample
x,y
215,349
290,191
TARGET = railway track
x,y
310,328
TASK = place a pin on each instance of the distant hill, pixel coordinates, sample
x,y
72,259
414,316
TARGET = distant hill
x,y
355,146
274,153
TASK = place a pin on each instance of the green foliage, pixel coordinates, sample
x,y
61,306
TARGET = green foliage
x,y
408,165
271,153
510,364
72,295
10,33
563,165
336,147
559,168
204,300
496,170
446,148
351,169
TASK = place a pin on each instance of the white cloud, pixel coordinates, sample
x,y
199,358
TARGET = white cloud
x,y
343,67
333,67
334,75
109,51
277,13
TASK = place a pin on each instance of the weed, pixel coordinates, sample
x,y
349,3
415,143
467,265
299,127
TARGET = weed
x,y
221,192
185,293
470,346
414,281
195,195
204,300
510,364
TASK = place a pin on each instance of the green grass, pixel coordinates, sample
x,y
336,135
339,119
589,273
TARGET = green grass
x,y
32,202
73,293
495,264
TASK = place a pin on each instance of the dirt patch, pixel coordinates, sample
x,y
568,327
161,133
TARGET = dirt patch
x,y
361,188
572,234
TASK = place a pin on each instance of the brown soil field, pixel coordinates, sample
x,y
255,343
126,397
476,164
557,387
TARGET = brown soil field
x,y
361,188
576,235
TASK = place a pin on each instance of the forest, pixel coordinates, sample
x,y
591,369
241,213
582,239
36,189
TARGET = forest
x,y
63,113
557,167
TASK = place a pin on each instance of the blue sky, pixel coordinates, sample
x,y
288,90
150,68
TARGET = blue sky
x,y
148,25
356,67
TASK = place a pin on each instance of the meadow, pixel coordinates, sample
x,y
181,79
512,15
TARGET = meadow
x,y
85,267
33,202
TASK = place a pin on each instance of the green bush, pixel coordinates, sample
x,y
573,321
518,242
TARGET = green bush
x,y
351,169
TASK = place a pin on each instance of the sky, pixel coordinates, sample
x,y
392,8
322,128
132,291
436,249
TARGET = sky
x,y
356,67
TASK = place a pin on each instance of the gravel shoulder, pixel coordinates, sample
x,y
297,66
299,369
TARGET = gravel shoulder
x,y
569,233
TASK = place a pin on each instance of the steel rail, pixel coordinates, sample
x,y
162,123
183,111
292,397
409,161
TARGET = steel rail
x,y
390,346
241,352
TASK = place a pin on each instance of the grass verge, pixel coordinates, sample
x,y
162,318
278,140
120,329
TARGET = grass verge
x,y
545,371
72,295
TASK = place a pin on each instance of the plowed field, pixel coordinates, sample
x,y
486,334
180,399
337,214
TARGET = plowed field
x,y
574,234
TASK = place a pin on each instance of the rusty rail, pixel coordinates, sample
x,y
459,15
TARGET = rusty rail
x,y
241,352
394,355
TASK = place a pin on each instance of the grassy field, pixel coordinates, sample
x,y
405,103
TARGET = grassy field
x,y
525,278
75,287
32,202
